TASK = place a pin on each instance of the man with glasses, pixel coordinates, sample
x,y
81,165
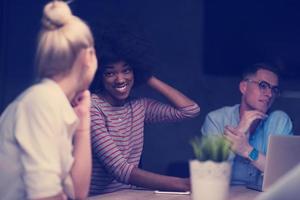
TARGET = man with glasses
x,y
248,125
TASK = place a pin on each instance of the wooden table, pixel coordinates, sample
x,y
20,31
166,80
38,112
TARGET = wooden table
x,y
236,193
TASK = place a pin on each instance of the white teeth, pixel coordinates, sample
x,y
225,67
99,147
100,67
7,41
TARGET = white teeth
x,y
265,101
121,89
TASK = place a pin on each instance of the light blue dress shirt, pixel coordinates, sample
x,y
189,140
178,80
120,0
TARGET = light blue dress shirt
x,y
243,172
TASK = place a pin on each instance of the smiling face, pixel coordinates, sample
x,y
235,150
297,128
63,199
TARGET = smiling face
x,y
118,80
254,97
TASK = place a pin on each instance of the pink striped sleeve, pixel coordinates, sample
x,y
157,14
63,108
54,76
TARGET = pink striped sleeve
x,y
105,148
159,112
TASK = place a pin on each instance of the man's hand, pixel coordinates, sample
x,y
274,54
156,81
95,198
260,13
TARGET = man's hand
x,y
247,119
239,141
81,105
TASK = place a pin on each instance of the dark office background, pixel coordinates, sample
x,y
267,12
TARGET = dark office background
x,y
201,47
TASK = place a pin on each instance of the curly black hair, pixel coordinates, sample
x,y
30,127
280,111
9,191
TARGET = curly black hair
x,y
119,42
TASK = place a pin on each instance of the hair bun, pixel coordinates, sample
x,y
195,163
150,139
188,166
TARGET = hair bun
x,y
56,14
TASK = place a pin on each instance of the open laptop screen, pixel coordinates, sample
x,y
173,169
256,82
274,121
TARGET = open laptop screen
x,y
282,155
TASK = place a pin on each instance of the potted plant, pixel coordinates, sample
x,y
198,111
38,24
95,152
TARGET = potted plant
x,y
210,171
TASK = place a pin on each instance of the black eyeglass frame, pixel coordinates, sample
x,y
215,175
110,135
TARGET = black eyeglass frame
x,y
263,85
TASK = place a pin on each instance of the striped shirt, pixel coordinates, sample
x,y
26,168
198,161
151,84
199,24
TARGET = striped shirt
x,y
118,134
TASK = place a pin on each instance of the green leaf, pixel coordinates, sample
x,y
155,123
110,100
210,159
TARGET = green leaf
x,y
215,148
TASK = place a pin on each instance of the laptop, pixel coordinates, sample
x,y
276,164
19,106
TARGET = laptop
x,y
283,154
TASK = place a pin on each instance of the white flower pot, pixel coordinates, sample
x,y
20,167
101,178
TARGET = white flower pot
x,y
210,180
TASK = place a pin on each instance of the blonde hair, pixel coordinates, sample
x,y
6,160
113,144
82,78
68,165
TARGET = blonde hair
x,y
61,38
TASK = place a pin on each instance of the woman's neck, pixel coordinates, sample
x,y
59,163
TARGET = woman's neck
x,y
68,85
111,100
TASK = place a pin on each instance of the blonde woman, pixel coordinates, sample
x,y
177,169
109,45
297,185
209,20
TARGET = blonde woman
x,y
45,148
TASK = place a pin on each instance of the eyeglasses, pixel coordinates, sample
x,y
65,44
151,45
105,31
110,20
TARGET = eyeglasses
x,y
264,86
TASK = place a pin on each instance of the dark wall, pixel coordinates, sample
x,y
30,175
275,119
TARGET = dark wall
x,y
187,41
238,33
19,26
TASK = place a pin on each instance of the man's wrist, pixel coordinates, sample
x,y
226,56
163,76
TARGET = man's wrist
x,y
246,151
253,154
239,130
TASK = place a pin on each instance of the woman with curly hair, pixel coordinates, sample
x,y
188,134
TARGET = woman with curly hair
x,y
117,119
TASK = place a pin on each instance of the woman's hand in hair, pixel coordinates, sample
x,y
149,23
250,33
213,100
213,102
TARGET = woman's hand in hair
x,y
178,99
81,105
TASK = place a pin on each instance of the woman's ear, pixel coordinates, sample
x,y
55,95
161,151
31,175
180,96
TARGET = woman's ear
x,y
89,54
243,86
